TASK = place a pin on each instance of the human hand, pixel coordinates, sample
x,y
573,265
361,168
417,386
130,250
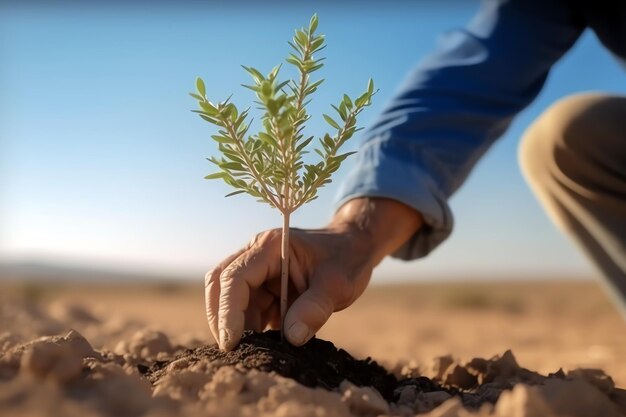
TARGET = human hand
x,y
329,269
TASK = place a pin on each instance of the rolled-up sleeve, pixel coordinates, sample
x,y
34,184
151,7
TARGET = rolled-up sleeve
x,y
454,105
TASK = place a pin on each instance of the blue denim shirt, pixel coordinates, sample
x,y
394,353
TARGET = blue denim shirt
x,y
460,99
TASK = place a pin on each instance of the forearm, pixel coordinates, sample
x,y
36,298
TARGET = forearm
x,y
378,226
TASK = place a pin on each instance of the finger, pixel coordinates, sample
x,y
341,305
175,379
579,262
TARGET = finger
x,y
262,298
260,301
244,274
271,317
253,318
212,292
307,314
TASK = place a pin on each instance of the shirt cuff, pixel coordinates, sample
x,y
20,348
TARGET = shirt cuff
x,y
396,170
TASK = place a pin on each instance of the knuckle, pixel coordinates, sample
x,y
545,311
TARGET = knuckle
x,y
209,277
226,276
268,237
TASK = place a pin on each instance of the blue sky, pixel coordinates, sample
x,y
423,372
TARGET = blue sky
x,y
101,162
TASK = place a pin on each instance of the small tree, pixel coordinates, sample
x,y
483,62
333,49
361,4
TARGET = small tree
x,y
269,165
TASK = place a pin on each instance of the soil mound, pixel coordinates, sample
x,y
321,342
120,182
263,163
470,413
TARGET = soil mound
x,y
316,364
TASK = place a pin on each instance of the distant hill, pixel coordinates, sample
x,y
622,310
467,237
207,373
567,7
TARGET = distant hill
x,y
42,271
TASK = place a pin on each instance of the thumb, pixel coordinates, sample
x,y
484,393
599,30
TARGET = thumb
x,y
307,315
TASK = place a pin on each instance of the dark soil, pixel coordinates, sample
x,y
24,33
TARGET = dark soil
x,y
316,364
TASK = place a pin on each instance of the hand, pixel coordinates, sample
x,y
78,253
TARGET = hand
x,y
329,269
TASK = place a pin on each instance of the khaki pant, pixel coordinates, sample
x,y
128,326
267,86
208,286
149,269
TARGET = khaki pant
x,y
574,158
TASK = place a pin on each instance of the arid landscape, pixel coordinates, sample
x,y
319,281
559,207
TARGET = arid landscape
x,y
553,348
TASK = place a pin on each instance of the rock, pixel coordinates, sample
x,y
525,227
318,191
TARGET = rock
x,y
145,344
226,381
434,399
117,392
316,400
79,345
406,395
595,377
440,365
184,385
458,376
498,367
401,411
363,400
478,366
577,398
522,401
258,385
450,408
619,398
294,408
59,358
558,374
505,366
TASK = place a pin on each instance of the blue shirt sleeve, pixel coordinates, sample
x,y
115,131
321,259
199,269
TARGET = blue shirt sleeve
x,y
454,105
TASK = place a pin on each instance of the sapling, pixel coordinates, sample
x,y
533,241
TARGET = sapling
x,y
270,165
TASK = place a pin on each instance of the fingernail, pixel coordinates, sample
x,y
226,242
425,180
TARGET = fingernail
x,y
224,339
298,333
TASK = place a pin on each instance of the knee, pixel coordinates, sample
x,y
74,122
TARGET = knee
x,y
570,130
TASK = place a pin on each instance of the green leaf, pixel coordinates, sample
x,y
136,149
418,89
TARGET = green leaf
x,y
317,43
296,47
222,139
313,23
235,193
361,101
294,61
280,86
233,156
347,101
251,87
331,122
210,119
370,86
341,111
315,67
258,77
304,144
208,107
217,175
342,157
266,88
301,38
258,165
200,86
268,139
232,165
328,141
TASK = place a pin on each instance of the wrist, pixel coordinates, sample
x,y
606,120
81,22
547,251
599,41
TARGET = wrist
x,y
376,227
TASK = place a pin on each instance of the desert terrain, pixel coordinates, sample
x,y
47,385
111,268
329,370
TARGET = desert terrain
x,y
107,336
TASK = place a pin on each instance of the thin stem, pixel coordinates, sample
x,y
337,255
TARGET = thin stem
x,y
284,272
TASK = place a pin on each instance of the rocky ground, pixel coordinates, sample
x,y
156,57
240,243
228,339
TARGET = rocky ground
x,y
61,357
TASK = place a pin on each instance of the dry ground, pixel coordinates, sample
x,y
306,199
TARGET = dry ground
x,y
548,325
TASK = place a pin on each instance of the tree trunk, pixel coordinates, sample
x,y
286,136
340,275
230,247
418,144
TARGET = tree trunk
x,y
284,272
